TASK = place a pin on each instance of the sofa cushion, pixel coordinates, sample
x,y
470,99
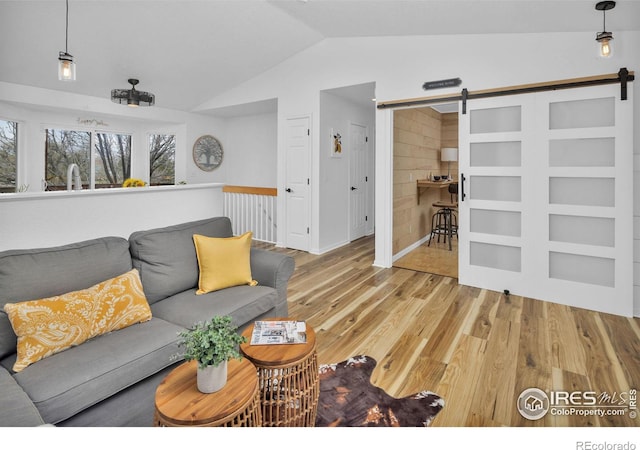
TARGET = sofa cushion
x,y
223,262
166,257
16,409
58,270
242,303
70,381
48,326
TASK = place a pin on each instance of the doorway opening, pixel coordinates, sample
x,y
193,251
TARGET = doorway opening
x,y
346,165
420,134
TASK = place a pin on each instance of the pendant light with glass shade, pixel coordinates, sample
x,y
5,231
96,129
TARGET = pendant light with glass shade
x,y
605,37
66,64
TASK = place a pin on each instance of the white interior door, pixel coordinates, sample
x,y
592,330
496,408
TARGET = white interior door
x,y
493,137
297,189
357,181
548,184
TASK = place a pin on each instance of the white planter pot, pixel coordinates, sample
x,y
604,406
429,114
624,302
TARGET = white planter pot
x,y
212,378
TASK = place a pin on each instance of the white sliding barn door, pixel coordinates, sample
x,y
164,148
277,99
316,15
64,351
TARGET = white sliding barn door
x,y
548,207
493,140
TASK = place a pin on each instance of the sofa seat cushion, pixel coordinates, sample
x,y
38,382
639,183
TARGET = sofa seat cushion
x,y
242,303
68,382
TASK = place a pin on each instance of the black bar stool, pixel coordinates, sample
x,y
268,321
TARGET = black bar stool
x,y
445,221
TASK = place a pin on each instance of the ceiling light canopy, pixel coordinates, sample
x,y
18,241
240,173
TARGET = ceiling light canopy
x,y
605,37
132,97
66,65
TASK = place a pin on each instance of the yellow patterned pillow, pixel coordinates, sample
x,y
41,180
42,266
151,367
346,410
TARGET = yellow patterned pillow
x,y
48,326
223,262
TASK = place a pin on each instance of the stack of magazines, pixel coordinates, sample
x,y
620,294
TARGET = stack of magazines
x,y
271,332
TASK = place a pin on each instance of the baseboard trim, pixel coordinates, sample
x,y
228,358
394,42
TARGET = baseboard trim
x,y
410,248
323,250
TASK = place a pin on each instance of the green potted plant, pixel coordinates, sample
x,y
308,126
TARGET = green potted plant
x,y
211,344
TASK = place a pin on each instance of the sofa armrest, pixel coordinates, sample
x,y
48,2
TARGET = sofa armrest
x,y
16,408
272,269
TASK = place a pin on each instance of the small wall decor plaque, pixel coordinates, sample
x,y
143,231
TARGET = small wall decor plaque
x,y
336,144
441,83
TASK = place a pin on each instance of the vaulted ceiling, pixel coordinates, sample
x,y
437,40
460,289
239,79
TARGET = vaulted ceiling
x,y
188,51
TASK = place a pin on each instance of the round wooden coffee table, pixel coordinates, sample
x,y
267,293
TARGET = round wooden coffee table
x,y
288,379
179,403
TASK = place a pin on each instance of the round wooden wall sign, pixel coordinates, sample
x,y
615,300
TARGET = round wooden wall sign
x,y
207,153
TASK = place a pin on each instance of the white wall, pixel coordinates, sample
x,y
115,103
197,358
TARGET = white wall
x,y
337,113
35,220
250,154
196,126
400,65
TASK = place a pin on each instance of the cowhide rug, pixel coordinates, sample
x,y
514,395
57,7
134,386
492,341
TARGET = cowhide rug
x,y
348,399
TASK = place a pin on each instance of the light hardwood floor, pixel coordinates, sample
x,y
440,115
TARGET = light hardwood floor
x,y
477,349
433,258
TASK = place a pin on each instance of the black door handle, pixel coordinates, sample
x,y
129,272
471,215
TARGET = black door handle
x,y
353,188
462,194
288,190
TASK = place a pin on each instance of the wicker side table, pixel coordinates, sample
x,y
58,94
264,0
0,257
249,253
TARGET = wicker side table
x,y
288,379
179,403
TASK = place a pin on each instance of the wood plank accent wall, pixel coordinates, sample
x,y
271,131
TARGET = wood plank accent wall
x,y
419,134
449,138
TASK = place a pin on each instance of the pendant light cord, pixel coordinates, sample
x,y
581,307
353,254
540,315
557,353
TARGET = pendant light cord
x,y
66,31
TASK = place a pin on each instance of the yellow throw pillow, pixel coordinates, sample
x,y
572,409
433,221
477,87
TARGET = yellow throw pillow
x,y
48,326
223,262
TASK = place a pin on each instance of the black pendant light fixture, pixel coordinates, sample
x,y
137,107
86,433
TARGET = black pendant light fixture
x,y
66,65
132,97
605,37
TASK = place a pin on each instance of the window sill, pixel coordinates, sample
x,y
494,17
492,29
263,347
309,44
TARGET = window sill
x,y
22,196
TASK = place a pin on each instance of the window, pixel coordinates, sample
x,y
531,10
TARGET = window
x,y
162,157
8,155
112,159
64,148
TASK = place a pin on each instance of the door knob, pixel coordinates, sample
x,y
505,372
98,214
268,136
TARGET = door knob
x,y
288,190
353,188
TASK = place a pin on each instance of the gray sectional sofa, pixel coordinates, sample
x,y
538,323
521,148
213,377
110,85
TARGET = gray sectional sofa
x,y
110,380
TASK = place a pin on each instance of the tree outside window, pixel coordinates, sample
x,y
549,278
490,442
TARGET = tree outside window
x,y
8,156
112,159
63,148
162,159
